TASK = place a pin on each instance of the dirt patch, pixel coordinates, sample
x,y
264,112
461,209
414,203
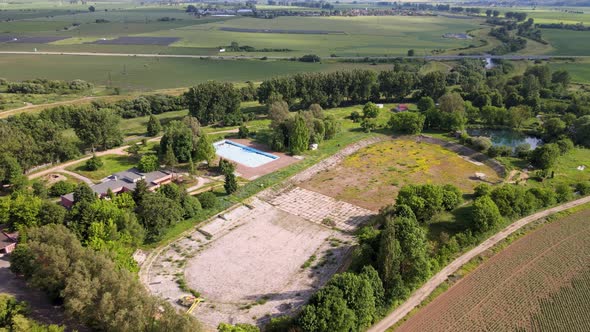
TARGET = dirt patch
x,y
371,177
508,291
53,178
250,264
322,209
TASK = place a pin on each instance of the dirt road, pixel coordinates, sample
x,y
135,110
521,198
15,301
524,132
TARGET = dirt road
x,y
422,293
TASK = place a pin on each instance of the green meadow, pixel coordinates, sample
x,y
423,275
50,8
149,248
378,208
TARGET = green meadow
x,y
138,73
357,36
579,69
568,42
365,35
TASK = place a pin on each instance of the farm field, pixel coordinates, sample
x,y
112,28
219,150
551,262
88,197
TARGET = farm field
x,y
538,283
371,177
147,73
567,42
554,15
350,36
79,30
579,69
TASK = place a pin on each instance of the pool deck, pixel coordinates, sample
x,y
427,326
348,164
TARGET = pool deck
x,y
251,173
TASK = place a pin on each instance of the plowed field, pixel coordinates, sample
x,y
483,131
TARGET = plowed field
x,y
539,283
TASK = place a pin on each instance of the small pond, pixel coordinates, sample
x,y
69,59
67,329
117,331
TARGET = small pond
x,y
506,137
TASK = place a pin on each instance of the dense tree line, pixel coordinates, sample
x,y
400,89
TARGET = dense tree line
x,y
144,105
576,27
93,290
43,86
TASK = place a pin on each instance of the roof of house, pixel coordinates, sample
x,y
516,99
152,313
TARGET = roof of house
x,y
130,174
124,179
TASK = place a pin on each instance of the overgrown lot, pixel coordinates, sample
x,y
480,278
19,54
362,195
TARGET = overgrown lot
x,y
372,176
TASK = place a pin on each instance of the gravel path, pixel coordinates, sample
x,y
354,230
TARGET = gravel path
x,y
424,291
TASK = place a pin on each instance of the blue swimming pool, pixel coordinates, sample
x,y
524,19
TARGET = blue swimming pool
x,y
242,154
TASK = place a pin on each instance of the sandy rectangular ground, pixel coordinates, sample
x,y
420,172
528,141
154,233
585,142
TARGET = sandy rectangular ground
x,y
251,268
322,209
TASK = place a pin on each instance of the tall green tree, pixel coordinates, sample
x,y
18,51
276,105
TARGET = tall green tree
x,y
83,193
204,151
433,84
327,311
210,102
148,163
169,158
358,293
389,259
97,128
153,126
231,183
581,130
485,214
156,213
178,136
370,111
299,136
425,103
545,156
407,122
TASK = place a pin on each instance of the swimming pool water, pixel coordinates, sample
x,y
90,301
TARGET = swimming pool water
x,y
242,154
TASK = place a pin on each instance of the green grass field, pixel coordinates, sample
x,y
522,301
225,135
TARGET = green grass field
x,y
555,15
364,36
579,69
369,35
567,42
147,73
111,164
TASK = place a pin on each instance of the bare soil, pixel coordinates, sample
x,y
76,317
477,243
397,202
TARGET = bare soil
x,y
251,264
